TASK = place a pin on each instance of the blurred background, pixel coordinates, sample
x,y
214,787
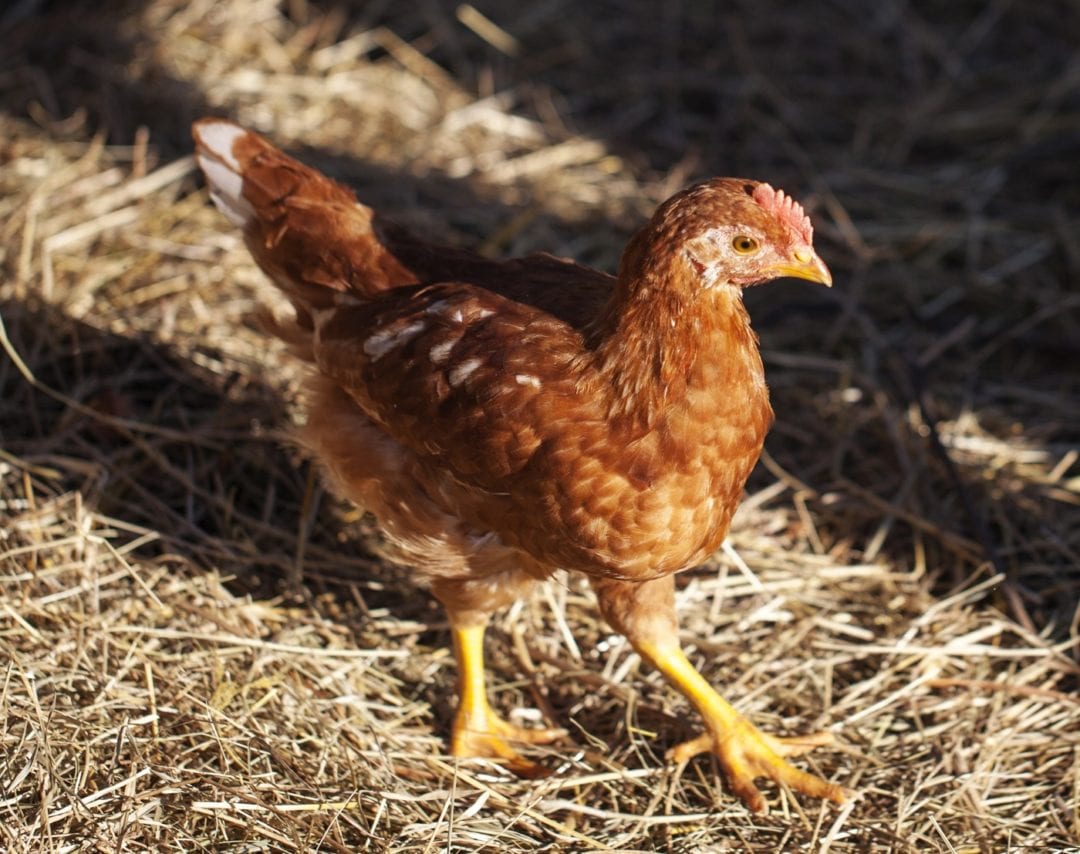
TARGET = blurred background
x,y
911,546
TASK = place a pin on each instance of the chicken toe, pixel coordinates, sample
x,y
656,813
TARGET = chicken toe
x,y
745,753
481,733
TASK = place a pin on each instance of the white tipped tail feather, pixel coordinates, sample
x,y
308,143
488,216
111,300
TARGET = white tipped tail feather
x,y
214,153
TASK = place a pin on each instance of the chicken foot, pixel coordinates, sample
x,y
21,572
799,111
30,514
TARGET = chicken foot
x,y
477,730
645,613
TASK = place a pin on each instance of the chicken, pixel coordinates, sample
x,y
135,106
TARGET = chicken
x,y
506,419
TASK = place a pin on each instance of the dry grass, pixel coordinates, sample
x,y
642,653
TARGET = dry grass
x,y
905,572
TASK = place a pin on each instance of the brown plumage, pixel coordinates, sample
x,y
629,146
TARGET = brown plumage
x,y
504,419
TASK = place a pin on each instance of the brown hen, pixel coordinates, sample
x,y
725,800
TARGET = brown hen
x,y
505,419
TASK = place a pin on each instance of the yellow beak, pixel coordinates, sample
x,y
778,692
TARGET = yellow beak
x,y
805,264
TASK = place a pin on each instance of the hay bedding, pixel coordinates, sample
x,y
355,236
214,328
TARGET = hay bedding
x,y
904,572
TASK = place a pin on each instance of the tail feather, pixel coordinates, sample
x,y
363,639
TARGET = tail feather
x,y
222,170
306,231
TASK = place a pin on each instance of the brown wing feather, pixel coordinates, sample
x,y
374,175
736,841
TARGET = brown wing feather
x,y
433,365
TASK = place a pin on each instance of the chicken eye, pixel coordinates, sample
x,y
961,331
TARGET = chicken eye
x,y
744,244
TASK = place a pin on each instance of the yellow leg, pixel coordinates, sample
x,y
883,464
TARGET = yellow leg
x,y
744,752
477,730
645,613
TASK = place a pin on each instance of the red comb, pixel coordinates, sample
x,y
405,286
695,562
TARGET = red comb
x,y
786,209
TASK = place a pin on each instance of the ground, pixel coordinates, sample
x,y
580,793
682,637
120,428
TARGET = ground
x,y
203,651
